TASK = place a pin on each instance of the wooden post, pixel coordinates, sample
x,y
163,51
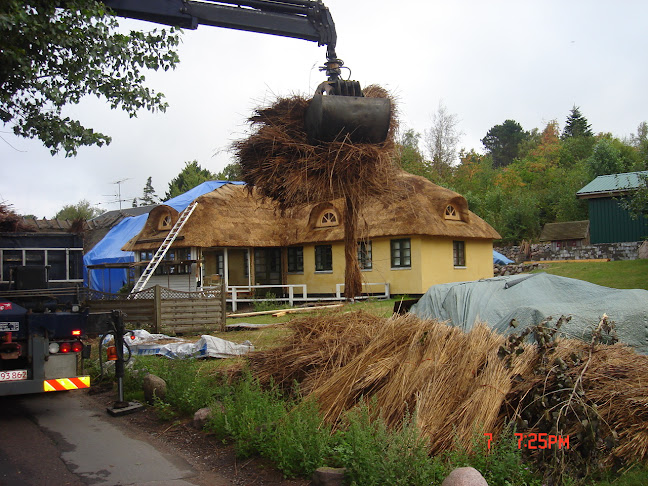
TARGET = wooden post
x,y
157,309
223,304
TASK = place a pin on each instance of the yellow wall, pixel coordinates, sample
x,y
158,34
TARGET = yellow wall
x,y
320,282
431,258
438,266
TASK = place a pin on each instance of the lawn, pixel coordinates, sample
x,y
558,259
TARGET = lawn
x,y
626,274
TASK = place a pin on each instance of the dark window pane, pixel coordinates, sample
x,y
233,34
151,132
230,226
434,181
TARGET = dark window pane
x,y
56,259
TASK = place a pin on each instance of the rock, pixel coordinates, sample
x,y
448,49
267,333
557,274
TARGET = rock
x,y
154,386
643,250
464,476
328,476
201,417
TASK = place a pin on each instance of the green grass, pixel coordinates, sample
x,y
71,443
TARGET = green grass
x,y
626,274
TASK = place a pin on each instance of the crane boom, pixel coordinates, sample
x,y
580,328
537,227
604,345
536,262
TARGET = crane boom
x,y
301,19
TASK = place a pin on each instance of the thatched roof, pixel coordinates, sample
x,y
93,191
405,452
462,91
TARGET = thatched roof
x,y
569,230
234,216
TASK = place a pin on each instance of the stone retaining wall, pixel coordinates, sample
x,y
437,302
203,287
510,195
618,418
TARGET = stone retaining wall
x,y
541,251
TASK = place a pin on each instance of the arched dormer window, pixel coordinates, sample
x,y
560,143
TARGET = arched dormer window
x,y
328,218
452,213
165,222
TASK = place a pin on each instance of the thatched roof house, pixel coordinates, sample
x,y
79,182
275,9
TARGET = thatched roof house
x,y
428,236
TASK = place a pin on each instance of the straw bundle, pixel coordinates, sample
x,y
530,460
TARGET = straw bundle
x,y
10,221
458,384
278,160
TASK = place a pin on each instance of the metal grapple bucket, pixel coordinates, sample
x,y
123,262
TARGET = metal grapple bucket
x,y
331,117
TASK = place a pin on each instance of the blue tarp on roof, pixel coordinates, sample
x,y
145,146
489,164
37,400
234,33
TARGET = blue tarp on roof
x,y
109,249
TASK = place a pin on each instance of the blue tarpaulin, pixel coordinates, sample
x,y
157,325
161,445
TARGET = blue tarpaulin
x,y
500,259
109,249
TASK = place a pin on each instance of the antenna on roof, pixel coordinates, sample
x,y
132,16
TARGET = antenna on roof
x,y
118,195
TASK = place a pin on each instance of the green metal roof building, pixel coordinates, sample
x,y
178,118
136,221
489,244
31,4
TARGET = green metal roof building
x,y
609,222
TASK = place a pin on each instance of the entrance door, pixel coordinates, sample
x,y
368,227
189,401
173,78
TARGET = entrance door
x,y
267,266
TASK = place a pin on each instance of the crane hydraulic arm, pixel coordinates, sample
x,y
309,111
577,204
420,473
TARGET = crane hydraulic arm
x,y
300,19
364,120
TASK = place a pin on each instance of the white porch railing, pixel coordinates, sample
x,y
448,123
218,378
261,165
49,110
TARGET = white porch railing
x,y
235,289
238,293
340,286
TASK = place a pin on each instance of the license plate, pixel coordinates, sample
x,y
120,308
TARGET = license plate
x,y
9,326
13,375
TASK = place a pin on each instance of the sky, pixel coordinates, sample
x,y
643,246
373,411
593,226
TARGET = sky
x,y
486,62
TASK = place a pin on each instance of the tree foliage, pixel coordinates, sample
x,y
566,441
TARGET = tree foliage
x,y
411,159
576,125
606,159
148,194
81,210
503,142
52,57
441,140
189,177
231,172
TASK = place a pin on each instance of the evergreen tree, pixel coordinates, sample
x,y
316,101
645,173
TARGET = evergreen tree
x,y
231,172
576,125
134,205
189,177
149,197
503,142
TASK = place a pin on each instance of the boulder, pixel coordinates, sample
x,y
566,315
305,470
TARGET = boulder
x,y
328,476
201,417
643,250
464,476
154,386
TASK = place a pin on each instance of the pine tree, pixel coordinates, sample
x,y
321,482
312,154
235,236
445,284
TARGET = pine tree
x,y
577,125
149,197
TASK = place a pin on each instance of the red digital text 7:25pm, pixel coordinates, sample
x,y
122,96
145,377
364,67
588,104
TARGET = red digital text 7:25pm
x,y
536,441
541,441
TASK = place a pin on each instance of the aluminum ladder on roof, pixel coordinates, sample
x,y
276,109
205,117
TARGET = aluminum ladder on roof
x,y
164,247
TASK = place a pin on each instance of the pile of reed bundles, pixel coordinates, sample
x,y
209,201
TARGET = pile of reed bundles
x,y
456,381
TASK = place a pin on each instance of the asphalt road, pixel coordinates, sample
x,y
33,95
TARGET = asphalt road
x,y
64,438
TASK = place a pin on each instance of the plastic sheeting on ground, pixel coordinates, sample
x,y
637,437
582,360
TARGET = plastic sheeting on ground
x,y
206,347
109,249
500,259
531,298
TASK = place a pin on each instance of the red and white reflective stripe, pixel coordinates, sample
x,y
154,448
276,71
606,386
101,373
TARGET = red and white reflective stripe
x,y
61,384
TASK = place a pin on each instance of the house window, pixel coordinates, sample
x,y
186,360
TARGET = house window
x,y
295,259
57,261
328,218
165,222
451,213
323,258
459,253
165,267
364,255
401,253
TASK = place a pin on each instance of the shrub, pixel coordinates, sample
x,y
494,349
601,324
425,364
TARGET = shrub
x,y
373,455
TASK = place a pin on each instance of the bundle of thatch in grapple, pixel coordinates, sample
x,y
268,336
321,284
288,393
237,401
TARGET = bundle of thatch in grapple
x,y
459,384
280,162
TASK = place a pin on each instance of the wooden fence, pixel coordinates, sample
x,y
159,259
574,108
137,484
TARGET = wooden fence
x,y
162,310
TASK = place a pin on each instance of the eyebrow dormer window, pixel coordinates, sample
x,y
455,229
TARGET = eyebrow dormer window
x,y
328,218
451,213
165,223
